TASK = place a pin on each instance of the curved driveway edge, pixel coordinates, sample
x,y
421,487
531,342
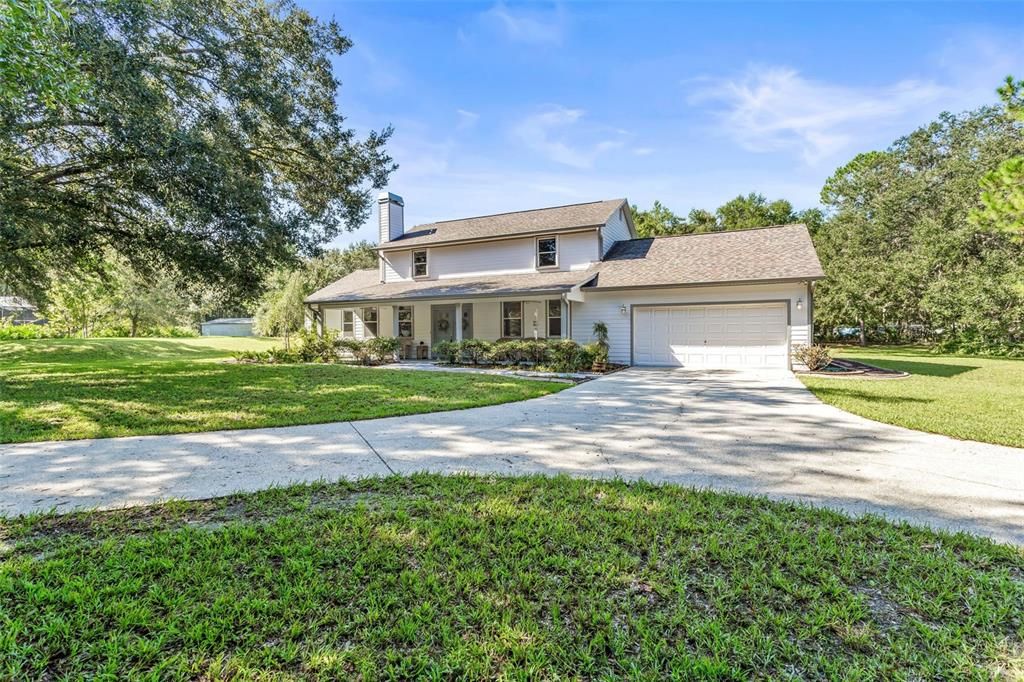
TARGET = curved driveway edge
x,y
751,433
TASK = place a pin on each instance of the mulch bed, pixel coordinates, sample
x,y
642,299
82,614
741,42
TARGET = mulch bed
x,y
841,368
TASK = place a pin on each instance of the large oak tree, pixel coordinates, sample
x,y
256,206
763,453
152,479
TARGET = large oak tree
x,y
205,137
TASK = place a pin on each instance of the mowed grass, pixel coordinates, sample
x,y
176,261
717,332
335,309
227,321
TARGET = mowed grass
x,y
967,397
95,388
433,577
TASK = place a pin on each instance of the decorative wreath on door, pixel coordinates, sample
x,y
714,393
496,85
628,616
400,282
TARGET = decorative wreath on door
x,y
442,325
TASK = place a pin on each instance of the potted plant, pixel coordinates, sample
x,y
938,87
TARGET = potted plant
x,y
601,356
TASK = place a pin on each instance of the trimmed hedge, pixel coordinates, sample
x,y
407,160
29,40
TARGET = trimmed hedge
x,y
326,348
559,355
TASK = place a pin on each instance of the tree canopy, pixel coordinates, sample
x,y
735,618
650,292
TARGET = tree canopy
x,y
1002,195
899,248
209,140
281,310
742,212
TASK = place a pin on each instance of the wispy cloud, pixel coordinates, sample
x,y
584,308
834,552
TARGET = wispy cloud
x,y
529,25
775,108
467,119
557,134
643,151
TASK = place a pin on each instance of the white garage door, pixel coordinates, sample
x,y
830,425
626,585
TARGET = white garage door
x,y
743,336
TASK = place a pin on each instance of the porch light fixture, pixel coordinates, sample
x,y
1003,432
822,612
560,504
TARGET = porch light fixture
x,y
799,304
622,309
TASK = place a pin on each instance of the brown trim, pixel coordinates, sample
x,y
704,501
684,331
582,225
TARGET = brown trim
x,y
789,320
399,245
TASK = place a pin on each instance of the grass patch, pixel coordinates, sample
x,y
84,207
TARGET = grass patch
x,y
437,578
96,388
968,397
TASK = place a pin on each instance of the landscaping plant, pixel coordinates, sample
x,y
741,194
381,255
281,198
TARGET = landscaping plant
x,y
815,357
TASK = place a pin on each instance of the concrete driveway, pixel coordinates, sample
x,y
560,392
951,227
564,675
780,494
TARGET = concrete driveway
x,y
752,433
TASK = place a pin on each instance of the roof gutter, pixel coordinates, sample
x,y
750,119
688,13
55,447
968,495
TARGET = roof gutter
x,y
435,297
686,285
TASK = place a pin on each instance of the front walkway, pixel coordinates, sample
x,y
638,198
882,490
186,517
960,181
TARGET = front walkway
x,y
762,434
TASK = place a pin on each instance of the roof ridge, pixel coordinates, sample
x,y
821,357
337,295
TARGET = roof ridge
x,y
704,234
524,210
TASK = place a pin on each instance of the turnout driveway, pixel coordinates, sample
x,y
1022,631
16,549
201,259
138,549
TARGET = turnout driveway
x,y
752,433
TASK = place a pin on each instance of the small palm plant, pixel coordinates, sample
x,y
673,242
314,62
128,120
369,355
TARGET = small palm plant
x,y
601,357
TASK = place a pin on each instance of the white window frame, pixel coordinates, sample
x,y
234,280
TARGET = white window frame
x,y
375,322
426,264
351,323
504,318
536,252
549,316
411,321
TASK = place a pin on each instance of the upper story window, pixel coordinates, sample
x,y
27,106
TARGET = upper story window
x,y
554,318
348,323
512,319
547,252
370,322
419,263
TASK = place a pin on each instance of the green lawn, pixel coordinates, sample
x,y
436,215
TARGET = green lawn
x,y
967,397
95,388
521,578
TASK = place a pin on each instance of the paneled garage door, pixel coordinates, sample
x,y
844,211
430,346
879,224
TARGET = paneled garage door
x,y
738,336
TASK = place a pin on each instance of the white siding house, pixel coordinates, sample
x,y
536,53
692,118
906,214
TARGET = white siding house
x,y
732,299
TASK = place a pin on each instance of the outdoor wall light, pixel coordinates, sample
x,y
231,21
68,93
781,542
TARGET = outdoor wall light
x,y
622,309
799,304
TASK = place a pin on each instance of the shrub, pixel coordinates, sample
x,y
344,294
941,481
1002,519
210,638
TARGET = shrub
x,y
313,347
601,343
476,350
446,351
172,332
10,332
814,357
382,349
568,356
357,349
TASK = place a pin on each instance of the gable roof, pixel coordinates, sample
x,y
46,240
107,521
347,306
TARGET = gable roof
x,y
536,221
365,285
755,255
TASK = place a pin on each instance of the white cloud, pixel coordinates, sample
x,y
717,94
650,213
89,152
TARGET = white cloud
x,y
467,119
777,109
556,133
531,25
643,151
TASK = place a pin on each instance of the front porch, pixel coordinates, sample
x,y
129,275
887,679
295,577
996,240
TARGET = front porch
x,y
422,324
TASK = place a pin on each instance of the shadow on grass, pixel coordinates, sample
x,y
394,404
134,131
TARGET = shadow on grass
x,y
927,369
836,394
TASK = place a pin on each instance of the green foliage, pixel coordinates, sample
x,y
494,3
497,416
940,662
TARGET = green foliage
x,y
742,212
39,65
1002,189
9,331
281,311
209,141
383,349
51,388
436,577
447,351
475,350
314,347
899,249
814,357
568,356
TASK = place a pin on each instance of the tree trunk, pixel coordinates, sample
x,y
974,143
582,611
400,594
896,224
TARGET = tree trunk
x,y
135,326
863,333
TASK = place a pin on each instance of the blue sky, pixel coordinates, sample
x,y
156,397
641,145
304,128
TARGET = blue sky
x,y
504,106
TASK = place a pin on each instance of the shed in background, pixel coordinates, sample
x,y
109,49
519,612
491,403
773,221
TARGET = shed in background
x,y
227,326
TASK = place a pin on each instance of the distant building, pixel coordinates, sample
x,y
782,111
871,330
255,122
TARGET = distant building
x,y
227,326
19,310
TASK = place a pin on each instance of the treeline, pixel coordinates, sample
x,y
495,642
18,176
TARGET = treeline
x,y
923,241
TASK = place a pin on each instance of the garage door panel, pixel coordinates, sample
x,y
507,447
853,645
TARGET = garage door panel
x,y
743,336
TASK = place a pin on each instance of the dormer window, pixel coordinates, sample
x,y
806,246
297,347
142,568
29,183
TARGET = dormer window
x,y
419,263
547,252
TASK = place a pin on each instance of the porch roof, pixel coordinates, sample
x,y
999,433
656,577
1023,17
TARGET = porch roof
x,y
365,285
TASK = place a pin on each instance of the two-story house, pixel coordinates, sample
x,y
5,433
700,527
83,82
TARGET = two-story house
x,y
738,299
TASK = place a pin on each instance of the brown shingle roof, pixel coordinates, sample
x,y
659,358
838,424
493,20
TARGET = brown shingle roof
x,y
761,254
555,219
365,285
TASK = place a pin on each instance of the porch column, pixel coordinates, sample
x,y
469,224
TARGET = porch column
x,y
458,322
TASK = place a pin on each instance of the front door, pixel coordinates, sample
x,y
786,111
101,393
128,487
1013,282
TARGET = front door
x,y
442,323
